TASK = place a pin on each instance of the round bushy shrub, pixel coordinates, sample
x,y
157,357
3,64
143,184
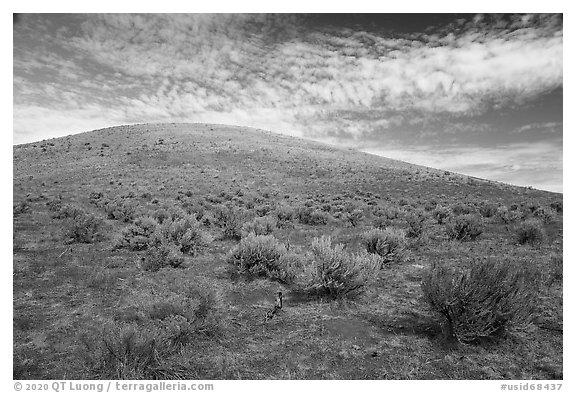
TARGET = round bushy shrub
x,y
120,209
186,233
415,222
464,227
261,255
84,227
483,300
389,244
546,214
336,273
136,237
311,216
530,231
461,208
508,215
284,214
230,219
162,255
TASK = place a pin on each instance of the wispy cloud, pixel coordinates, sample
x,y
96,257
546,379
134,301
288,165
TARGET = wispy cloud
x,y
283,73
527,164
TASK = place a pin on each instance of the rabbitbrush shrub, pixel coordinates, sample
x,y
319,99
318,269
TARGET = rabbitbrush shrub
x,y
336,273
263,256
389,244
482,301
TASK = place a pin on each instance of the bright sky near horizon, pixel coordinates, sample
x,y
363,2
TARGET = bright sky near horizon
x,y
476,94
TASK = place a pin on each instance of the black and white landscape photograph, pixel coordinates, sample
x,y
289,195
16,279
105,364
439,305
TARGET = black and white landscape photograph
x,y
257,196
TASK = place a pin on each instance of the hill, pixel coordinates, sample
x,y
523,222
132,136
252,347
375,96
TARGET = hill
x,y
128,260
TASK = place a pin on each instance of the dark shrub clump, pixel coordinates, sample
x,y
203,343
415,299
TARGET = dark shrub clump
x,y
530,231
464,227
310,216
415,224
389,244
482,301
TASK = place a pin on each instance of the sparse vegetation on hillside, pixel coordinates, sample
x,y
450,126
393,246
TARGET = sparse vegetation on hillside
x,y
261,255
178,240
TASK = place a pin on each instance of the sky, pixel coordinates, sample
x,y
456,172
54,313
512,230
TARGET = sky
x,y
478,94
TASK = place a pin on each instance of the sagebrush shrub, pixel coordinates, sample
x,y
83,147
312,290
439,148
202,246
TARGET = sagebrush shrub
x,y
508,216
336,273
481,301
546,214
161,215
259,226
261,255
160,255
120,209
530,231
353,217
558,206
387,212
84,227
263,209
136,236
230,219
464,227
415,224
185,233
310,216
441,214
487,209
461,208
125,352
389,244
381,222
284,214
67,211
